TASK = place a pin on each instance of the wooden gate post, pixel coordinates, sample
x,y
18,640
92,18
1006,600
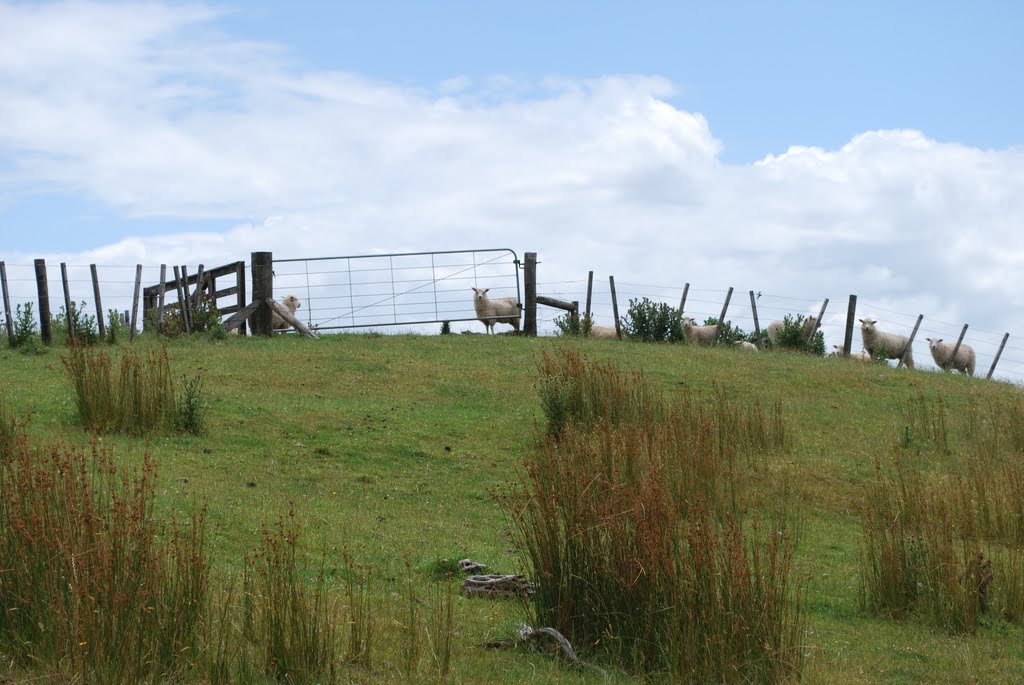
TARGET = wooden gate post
x,y
262,288
530,285
45,330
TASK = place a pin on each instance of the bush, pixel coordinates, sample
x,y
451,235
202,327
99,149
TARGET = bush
x,y
792,337
83,325
729,334
26,339
115,327
649,321
569,325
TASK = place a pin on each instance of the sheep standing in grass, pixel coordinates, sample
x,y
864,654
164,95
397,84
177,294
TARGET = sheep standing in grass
x,y
498,310
890,345
942,353
698,335
291,303
598,331
775,327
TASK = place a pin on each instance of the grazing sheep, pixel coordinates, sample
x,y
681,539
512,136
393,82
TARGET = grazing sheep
x,y
291,303
861,356
775,327
942,353
745,345
598,331
499,310
891,345
698,335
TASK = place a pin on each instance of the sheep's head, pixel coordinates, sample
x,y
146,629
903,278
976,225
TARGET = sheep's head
x,y
480,293
934,343
291,303
867,325
687,321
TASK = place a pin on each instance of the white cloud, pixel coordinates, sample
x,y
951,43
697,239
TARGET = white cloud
x,y
154,112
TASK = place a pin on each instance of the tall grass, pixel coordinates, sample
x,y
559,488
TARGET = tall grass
x,y
9,429
93,587
627,515
947,546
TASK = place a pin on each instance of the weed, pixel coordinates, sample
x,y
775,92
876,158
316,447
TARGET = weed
x,y
446,328
191,408
78,326
115,326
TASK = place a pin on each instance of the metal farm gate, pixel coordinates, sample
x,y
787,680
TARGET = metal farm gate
x,y
401,289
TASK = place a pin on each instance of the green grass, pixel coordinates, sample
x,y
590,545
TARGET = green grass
x,y
391,447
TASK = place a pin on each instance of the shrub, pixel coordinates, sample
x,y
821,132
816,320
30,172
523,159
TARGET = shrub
x,y
26,339
79,321
569,325
652,322
729,334
792,337
92,587
115,327
446,328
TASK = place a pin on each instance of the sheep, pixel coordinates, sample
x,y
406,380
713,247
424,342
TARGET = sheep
x,y
291,303
746,346
598,331
878,342
861,356
942,353
499,310
775,327
699,335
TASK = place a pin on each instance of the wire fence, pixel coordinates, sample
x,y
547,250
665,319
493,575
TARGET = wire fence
x,y
411,291
702,304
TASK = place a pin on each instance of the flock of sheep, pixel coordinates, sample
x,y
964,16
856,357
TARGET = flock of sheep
x,y
877,343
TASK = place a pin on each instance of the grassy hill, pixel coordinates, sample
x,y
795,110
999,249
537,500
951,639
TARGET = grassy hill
x,y
392,446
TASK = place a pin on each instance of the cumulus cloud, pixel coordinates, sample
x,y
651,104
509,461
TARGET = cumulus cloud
x,y
154,112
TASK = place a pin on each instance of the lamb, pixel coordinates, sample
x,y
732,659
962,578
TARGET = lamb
x,y
878,342
598,331
699,335
746,345
291,303
498,310
775,327
861,356
942,353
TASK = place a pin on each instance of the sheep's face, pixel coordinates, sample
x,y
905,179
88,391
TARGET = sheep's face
x,y
480,293
867,325
687,321
291,303
934,343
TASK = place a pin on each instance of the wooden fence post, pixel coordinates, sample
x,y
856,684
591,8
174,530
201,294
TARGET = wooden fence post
x,y
99,303
135,302
262,288
682,300
615,307
991,370
240,295
956,348
851,313
757,325
530,286
590,290
8,319
181,299
721,317
910,342
817,323
68,313
186,304
45,330
161,294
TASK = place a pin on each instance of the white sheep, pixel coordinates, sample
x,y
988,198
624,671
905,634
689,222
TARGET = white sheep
x,y
291,303
747,346
942,353
598,331
861,356
878,342
698,335
498,310
775,327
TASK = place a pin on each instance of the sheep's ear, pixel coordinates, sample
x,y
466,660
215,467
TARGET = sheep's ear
x,y
486,290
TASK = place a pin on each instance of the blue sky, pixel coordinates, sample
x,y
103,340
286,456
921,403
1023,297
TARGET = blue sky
x,y
803,149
